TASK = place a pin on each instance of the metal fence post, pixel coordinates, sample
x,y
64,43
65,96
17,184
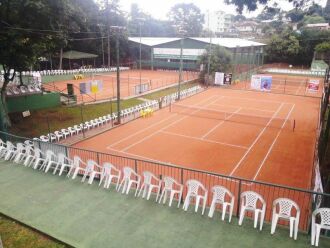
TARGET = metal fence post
x,y
239,198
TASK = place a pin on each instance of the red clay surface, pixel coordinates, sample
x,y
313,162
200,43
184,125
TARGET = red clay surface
x,y
263,152
128,79
268,151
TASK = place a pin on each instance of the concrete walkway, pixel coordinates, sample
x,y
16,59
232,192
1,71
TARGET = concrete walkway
x,y
89,216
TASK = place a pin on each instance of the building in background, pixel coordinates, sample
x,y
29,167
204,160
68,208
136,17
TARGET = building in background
x,y
318,26
164,53
219,22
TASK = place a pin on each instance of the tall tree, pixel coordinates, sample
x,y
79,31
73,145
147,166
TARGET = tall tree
x,y
187,18
220,61
283,48
29,30
252,5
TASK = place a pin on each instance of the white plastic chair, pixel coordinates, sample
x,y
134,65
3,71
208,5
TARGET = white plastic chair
x,y
72,131
51,161
249,202
10,150
283,209
324,214
65,132
3,148
219,197
22,154
128,181
171,188
92,169
109,172
59,135
150,182
42,161
194,188
62,163
34,156
76,166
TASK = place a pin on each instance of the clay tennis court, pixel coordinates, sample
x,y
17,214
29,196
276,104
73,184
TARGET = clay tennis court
x,y
245,134
129,79
287,84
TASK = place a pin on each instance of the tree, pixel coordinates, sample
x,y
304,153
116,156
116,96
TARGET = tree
x,y
326,11
187,18
269,13
323,47
252,5
29,30
220,61
313,19
296,15
282,48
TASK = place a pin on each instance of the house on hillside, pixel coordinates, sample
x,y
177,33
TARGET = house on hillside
x,y
318,26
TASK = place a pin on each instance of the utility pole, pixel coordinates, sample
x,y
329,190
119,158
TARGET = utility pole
x,y
140,51
117,30
209,52
181,65
108,38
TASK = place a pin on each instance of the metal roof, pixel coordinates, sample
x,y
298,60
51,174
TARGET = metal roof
x,y
152,41
229,42
224,42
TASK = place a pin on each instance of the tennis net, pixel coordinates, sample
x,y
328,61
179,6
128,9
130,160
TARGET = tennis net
x,y
259,120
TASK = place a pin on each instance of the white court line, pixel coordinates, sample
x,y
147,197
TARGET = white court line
x,y
204,140
255,141
144,158
220,123
271,147
261,110
254,100
167,126
138,132
142,130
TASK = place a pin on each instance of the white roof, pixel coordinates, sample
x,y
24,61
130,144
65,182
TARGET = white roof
x,y
230,42
323,24
224,42
152,41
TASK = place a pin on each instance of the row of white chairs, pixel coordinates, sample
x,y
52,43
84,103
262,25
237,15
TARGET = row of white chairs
x,y
302,72
127,114
82,70
250,201
183,94
12,89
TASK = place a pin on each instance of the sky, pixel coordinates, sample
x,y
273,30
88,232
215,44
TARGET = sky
x,y
160,8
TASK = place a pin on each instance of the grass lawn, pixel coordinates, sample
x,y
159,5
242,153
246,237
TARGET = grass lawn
x,y
64,116
14,235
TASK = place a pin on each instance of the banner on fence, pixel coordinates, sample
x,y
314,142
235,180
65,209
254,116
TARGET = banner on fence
x,y
313,85
227,79
94,86
219,77
261,82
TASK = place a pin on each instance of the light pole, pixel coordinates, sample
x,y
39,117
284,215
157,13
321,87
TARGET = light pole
x,y
140,48
102,45
181,65
117,29
108,36
209,52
